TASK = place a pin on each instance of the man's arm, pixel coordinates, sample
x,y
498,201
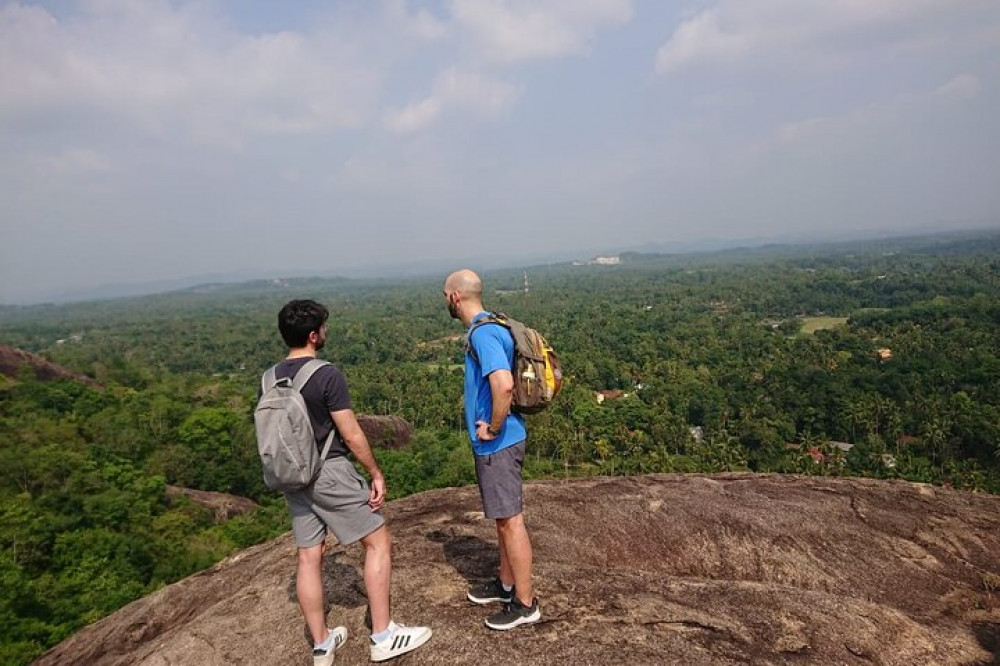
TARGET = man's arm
x,y
502,392
352,434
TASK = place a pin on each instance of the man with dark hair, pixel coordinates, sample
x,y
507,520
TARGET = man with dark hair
x,y
339,500
498,440
300,318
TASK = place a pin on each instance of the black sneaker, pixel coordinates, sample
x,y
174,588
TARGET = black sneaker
x,y
514,614
487,593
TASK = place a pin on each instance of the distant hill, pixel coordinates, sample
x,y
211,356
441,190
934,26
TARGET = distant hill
x,y
662,569
955,243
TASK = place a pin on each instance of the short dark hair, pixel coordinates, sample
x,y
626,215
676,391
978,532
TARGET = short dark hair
x,y
300,318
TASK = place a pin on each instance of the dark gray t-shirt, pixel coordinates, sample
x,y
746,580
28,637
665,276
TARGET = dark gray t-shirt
x,y
325,392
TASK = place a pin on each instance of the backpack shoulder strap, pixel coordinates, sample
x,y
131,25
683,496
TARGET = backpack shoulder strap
x,y
328,443
306,372
498,318
268,379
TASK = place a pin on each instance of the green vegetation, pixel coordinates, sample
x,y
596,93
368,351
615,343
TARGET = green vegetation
x,y
705,351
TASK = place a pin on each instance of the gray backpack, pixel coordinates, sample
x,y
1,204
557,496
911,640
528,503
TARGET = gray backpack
x,y
285,438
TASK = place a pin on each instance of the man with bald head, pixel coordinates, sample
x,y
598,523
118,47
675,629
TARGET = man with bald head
x,y
498,439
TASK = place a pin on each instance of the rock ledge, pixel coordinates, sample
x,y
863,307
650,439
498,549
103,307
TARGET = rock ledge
x,y
661,569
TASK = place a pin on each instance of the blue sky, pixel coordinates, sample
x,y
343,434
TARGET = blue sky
x,y
150,140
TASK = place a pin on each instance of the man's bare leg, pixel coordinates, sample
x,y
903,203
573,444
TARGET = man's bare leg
x,y
309,590
506,575
516,556
378,576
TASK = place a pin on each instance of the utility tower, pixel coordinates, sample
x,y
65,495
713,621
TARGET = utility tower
x,y
525,283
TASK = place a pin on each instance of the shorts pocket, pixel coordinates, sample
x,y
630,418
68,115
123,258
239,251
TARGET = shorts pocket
x,y
356,475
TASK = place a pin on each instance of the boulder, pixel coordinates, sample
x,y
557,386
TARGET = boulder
x,y
223,505
660,569
12,359
386,431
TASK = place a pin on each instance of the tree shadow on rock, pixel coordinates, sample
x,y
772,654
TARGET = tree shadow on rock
x,y
474,558
988,636
343,586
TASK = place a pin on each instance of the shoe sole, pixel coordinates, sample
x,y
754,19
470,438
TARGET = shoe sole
x,y
418,641
325,661
482,601
528,619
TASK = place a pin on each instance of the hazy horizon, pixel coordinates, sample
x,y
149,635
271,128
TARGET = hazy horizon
x,y
422,270
148,141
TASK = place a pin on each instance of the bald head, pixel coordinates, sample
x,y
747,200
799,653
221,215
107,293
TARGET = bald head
x,y
463,293
466,283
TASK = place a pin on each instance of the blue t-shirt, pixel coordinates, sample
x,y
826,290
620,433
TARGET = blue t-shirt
x,y
495,349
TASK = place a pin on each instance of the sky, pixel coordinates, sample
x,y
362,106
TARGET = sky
x,y
147,140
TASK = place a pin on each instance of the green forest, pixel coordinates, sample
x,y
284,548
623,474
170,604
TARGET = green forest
x,y
875,359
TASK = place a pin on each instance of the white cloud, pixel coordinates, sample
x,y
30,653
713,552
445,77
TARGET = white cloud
x,y
183,70
413,117
508,31
161,67
963,85
701,38
413,172
77,161
738,30
870,124
500,31
453,89
420,23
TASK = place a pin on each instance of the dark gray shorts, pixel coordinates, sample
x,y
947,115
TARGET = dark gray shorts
x,y
337,501
500,484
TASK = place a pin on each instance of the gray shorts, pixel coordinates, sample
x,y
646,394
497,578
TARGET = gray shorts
x,y
337,501
500,484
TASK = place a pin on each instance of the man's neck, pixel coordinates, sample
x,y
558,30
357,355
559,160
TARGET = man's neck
x,y
301,352
469,313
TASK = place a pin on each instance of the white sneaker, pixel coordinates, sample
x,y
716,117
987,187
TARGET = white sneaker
x,y
403,639
325,657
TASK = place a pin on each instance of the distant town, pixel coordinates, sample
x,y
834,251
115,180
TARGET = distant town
x,y
600,261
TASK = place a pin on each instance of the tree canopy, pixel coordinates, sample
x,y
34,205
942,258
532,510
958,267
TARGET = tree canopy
x,y
876,360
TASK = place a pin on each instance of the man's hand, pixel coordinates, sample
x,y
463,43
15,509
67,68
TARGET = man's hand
x,y
502,393
354,438
377,497
483,432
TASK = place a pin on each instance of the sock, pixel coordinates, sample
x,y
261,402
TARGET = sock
x,y
327,644
382,635
506,587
